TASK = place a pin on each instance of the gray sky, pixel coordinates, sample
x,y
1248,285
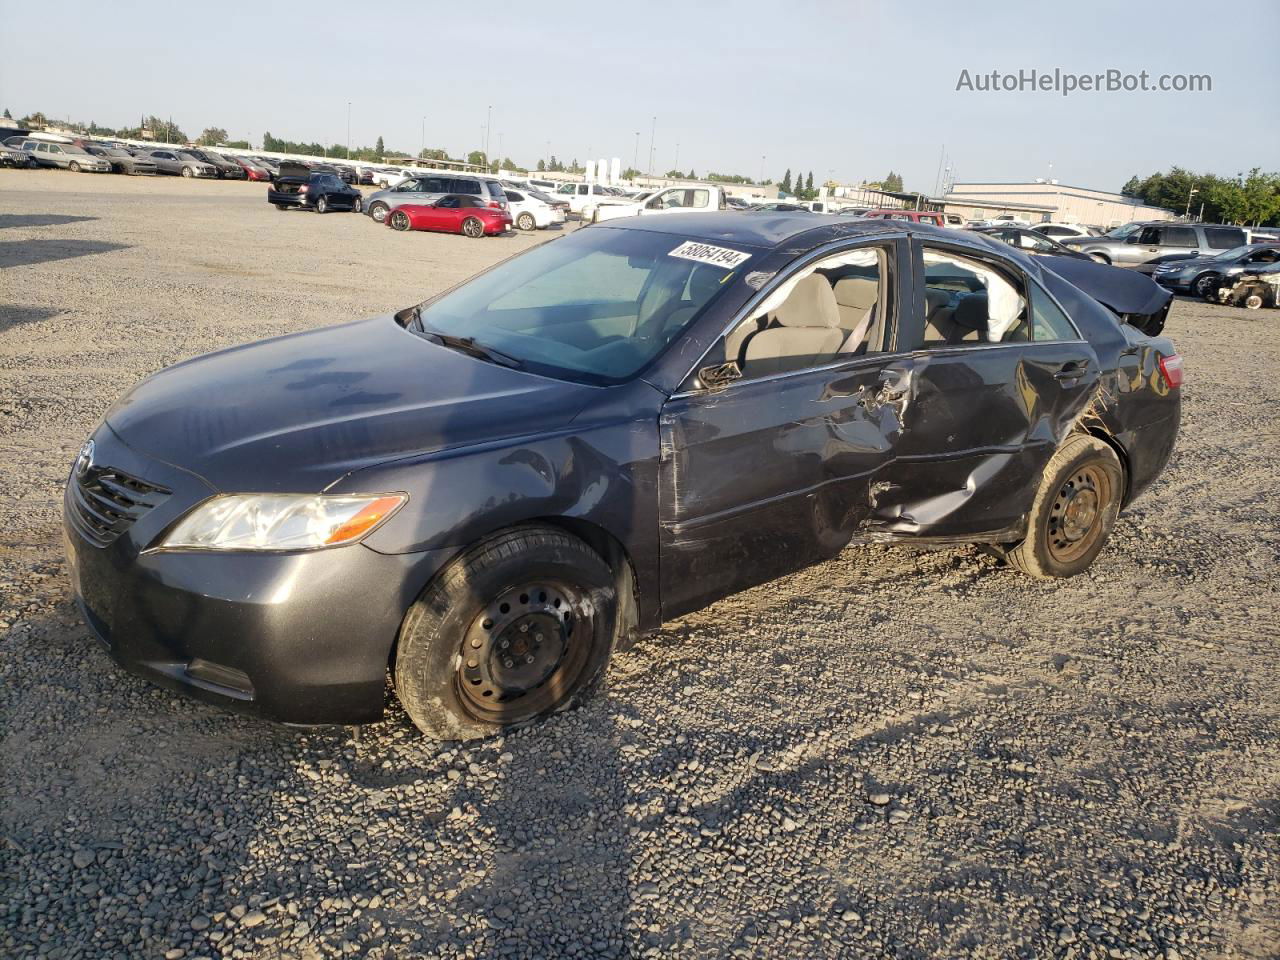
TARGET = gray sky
x,y
845,89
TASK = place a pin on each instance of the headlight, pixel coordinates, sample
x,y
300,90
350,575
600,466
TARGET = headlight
x,y
272,521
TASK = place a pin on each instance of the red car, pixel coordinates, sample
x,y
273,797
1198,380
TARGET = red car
x,y
915,216
251,170
453,213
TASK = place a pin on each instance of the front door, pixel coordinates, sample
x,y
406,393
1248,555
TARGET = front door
x,y
772,471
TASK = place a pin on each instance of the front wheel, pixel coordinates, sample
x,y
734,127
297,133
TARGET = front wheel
x,y
400,220
526,222
73,167
357,205
378,210
1101,258
1203,285
519,626
473,228
1074,510
188,172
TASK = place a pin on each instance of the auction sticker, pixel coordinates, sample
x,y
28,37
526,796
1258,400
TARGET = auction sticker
x,y
706,253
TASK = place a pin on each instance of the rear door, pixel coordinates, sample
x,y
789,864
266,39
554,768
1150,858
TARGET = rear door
x,y
984,409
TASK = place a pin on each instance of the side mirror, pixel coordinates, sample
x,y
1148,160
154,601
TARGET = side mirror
x,y
720,375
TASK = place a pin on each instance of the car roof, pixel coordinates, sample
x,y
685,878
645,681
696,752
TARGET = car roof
x,y
761,229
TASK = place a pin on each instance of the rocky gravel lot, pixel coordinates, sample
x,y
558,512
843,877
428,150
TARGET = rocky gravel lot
x,y
894,754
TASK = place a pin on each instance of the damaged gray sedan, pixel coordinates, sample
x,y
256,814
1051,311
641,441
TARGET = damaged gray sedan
x,y
486,493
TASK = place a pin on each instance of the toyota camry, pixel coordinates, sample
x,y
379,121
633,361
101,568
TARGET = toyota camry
x,y
488,493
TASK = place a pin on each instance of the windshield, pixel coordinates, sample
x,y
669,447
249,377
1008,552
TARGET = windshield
x,y
597,305
1234,252
1119,233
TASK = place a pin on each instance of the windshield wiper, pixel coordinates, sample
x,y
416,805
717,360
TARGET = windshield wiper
x,y
469,346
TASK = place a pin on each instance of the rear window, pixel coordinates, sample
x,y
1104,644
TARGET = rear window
x,y
1180,237
1223,238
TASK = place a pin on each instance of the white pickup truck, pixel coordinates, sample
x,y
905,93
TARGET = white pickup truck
x,y
697,199
580,195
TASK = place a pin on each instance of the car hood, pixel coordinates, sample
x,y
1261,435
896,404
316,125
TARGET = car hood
x,y
1125,291
299,412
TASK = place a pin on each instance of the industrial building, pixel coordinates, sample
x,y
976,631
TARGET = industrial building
x,y
1048,200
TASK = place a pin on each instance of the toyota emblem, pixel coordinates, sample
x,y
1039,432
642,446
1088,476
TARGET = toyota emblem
x,y
84,459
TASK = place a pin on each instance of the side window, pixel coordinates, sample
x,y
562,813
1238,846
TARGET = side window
x,y
839,307
515,196
54,148
1223,238
969,302
1180,237
1048,322
697,198
434,185
1149,235
582,189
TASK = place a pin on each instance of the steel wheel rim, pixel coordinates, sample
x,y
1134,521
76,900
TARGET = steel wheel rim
x,y
1202,286
526,222
473,228
525,651
1077,513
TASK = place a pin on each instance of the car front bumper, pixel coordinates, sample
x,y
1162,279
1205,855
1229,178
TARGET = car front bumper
x,y
1172,281
299,637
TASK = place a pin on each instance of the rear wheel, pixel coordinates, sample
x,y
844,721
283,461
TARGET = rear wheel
x,y
378,210
357,205
400,220
322,205
473,228
282,206
1074,510
519,626
73,167
526,222
1253,301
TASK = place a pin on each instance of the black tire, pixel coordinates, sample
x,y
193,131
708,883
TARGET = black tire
x,y
400,220
473,228
1073,511
1203,285
188,172
282,206
73,167
357,205
526,222
378,210
467,662
322,205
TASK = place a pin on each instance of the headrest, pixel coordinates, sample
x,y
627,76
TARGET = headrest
x,y
971,312
859,292
935,300
704,282
810,304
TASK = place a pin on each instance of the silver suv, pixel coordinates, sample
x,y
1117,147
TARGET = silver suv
x,y
1151,241
427,187
66,156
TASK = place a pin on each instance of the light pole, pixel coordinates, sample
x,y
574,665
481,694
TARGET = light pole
x,y
424,137
761,179
652,129
635,161
348,129
488,125
677,165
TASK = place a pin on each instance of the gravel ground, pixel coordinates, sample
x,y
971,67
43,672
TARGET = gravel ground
x,y
897,753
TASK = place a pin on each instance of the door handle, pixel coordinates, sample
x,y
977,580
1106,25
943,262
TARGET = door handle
x,y
1072,370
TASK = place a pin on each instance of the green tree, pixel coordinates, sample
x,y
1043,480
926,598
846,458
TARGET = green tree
x,y
630,173
785,185
7,114
674,174
212,136
237,144
379,150
433,153
892,183
542,166
810,193
478,158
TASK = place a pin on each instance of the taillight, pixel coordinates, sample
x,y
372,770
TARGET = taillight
x,y
303,188
1171,370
